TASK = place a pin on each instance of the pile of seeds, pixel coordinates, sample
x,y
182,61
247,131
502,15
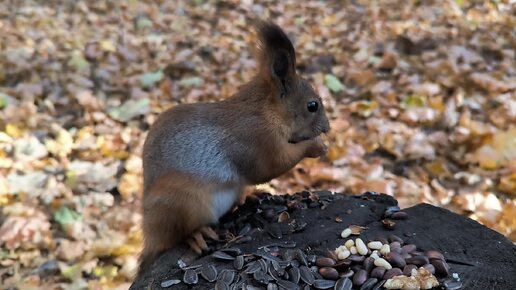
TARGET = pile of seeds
x,y
377,261
358,264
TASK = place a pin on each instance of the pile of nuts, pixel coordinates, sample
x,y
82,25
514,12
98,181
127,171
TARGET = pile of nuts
x,y
402,265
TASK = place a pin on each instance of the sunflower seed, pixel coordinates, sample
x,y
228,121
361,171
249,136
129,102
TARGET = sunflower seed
x,y
369,284
222,256
221,285
251,287
394,238
209,272
261,277
170,282
287,285
301,257
238,263
294,274
347,274
452,285
232,251
323,284
190,277
400,215
407,270
274,231
379,285
390,210
252,267
306,275
243,231
343,284
392,272
227,276
272,286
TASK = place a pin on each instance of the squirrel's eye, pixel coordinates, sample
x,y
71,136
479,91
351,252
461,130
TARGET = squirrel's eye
x,y
312,106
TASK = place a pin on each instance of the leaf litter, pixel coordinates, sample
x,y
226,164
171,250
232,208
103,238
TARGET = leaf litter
x,y
421,97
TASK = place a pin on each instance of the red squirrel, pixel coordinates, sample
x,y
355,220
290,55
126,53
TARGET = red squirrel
x,y
198,158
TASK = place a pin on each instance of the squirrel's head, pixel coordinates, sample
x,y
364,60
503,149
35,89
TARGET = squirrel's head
x,y
291,96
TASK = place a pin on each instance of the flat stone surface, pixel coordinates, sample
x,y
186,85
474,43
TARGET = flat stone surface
x,y
483,258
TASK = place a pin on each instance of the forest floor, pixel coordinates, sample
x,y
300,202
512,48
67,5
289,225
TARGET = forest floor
x,y
421,97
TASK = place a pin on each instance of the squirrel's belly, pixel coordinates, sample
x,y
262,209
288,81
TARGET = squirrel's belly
x,y
223,200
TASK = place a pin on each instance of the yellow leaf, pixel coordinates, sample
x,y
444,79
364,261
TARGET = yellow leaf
x,y
14,131
107,45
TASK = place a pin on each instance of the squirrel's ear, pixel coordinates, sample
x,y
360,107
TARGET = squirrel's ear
x,y
276,56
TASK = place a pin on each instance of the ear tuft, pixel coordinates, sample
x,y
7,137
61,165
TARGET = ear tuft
x,y
276,54
280,64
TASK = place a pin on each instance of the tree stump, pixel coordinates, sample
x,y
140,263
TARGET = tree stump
x,y
483,258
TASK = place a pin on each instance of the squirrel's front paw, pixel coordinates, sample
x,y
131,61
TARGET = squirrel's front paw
x,y
316,148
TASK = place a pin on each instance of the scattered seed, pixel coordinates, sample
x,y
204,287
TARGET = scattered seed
x,y
294,274
209,272
388,224
360,277
417,260
347,274
368,264
261,277
343,284
357,259
361,247
244,239
301,257
407,270
232,251
170,282
221,285
441,268
222,256
392,272
342,265
227,276
329,273
253,267
378,272
287,285
238,263
409,248
430,268
390,210
345,233
324,262
323,284
375,245
272,286
380,262
452,284
349,243
374,255
394,238
190,277
379,285
283,216
356,230
434,255
369,284
400,215
274,231
395,259
306,275
353,250
383,240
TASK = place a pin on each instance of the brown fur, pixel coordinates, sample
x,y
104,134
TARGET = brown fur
x,y
194,152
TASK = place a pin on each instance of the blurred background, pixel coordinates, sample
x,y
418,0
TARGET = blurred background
x,y
421,96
